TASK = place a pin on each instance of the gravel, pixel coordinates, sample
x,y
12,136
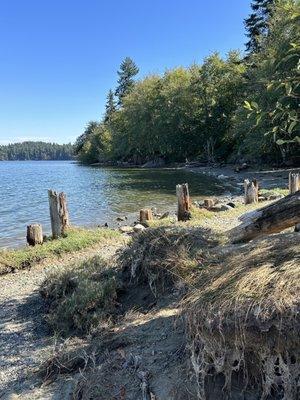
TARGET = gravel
x,y
25,339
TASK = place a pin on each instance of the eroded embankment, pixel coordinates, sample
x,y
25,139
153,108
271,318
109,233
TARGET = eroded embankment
x,y
185,317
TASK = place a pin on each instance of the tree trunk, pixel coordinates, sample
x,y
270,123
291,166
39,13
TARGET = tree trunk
x,y
251,191
183,198
34,234
294,186
146,215
58,213
273,218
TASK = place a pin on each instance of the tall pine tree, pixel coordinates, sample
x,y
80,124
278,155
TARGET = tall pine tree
x,y
110,107
257,24
128,69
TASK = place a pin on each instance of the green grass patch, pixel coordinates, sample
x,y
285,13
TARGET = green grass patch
x,y
80,297
274,192
75,240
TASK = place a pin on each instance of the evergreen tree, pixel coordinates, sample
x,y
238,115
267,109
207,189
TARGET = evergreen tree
x,y
257,24
110,107
128,69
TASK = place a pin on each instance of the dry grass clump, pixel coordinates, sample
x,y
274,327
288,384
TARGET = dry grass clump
x,y
162,256
243,318
67,357
80,297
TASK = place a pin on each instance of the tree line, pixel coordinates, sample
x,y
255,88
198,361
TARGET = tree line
x,y
36,151
241,107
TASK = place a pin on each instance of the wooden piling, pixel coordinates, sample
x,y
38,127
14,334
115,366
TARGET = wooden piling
x,y
146,215
294,182
183,201
209,203
63,212
294,186
251,191
34,234
59,215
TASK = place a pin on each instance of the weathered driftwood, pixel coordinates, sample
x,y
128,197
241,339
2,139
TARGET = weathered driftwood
x,y
251,191
146,215
183,200
273,218
59,215
63,212
208,203
294,182
34,234
294,186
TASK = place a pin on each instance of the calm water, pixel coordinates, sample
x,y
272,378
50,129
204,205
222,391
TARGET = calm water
x,y
95,195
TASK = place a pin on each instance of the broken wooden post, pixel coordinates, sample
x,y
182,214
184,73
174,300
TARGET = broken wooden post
x,y
63,212
146,215
251,191
273,218
294,182
209,203
34,234
58,213
183,199
294,186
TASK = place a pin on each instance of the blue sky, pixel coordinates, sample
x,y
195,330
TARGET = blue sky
x,y
59,58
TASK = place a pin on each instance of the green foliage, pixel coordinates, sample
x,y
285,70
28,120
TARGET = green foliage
x,y
128,69
181,113
224,109
110,107
36,151
274,85
94,145
257,24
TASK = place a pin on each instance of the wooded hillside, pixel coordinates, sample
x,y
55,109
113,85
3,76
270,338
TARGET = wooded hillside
x,y
239,108
36,151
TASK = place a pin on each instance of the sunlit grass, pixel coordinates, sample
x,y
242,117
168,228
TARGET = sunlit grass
x,y
76,239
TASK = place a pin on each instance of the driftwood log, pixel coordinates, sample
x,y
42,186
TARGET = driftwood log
x,y
59,215
183,200
294,186
34,234
251,191
273,218
146,215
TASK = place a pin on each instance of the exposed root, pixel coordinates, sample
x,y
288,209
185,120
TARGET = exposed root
x,y
245,324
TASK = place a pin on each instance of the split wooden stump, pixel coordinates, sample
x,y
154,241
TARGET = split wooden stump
x,y
34,234
146,215
294,186
59,214
209,203
251,191
273,218
183,202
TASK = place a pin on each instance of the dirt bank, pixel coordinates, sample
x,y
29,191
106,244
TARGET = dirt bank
x,y
25,339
